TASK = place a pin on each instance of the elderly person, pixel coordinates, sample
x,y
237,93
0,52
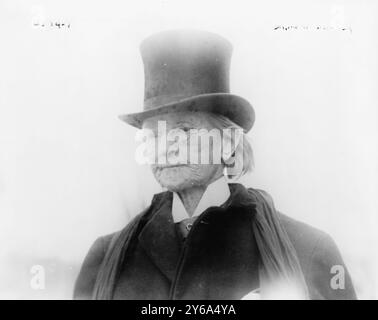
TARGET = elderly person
x,y
206,236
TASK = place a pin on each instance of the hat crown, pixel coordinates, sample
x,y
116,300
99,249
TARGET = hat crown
x,y
184,63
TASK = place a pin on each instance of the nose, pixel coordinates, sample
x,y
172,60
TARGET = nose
x,y
172,150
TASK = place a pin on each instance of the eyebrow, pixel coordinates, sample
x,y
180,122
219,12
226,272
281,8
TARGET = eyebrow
x,y
181,122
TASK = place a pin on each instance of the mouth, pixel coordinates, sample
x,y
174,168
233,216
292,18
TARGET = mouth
x,y
169,166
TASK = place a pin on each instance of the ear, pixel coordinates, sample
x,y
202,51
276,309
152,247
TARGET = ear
x,y
231,139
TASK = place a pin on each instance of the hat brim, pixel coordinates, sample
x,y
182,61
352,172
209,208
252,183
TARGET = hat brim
x,y
236,108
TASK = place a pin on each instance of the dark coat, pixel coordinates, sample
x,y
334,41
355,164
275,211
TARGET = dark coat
x,y
219,259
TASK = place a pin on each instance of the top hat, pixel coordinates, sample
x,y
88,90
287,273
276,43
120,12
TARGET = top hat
x,y
189,70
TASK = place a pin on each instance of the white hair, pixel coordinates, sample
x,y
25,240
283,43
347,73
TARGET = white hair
x,y
243,151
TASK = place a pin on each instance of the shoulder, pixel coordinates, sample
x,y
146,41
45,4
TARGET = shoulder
x,y
301,234
89,269
304,237
104,242
86,279
309,242
320,260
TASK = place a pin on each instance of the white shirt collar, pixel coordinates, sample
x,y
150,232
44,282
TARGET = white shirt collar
x,y
215,195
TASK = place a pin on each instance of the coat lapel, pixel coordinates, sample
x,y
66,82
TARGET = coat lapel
x,y
159,238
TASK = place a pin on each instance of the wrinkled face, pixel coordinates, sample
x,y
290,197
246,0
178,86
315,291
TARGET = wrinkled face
x,y
173,174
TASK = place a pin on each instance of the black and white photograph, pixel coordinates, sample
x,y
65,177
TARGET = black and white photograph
x,y
189,150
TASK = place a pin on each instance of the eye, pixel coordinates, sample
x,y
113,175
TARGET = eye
x,y
186,129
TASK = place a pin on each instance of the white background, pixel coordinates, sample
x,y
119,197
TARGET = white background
x,y
67,169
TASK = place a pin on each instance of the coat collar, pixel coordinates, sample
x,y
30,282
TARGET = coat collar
x,y
215,195
159,237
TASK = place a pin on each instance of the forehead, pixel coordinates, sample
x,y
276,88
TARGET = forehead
x,y
195,119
